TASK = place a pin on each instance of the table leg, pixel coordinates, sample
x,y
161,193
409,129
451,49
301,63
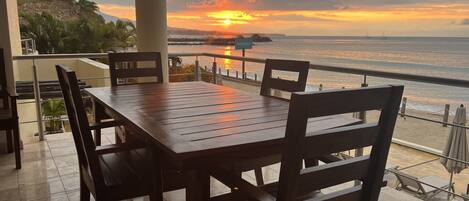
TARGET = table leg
x,y
156,193
16,143
98,116
198,185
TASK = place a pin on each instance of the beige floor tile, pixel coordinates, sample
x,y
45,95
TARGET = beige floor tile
x,y
63,151
8,181
35,147
35,156
63,161
54,197
75,196
12,194
37,172
178,195
66,170
60,144
41,190
71,182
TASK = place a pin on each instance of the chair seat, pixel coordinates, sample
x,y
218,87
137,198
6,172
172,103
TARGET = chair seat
x,y
126,170
435,181
131,170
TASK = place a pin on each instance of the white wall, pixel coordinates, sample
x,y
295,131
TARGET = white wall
x,y
45,68
84,68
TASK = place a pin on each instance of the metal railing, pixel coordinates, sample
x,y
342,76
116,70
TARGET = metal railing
x,y
363,72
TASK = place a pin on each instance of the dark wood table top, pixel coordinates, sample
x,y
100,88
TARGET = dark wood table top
x,y
194,119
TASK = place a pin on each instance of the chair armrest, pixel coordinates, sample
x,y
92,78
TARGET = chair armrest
x,y
230,179
107,149
105,124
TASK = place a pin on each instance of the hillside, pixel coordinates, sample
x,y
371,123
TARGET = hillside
x,y
60,9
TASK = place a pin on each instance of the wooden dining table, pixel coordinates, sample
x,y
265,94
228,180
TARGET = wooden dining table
x,y
196,124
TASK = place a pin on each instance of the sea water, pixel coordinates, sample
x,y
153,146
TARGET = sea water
x,y
430,56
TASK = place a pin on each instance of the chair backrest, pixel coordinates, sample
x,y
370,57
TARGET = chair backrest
x,y
124,67
295,182
88,159
407,180
3,77
269,82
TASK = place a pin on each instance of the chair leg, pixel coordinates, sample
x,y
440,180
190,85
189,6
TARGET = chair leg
x,y
156,192
84,191
9,141
259,176
16,139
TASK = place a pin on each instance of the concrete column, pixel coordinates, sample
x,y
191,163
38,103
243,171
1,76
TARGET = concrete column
x,y
10,41
152,29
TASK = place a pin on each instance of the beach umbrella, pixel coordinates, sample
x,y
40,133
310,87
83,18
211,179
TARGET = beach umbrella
x,y
456,146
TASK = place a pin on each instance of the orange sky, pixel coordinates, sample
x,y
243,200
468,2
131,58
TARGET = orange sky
x,y
417,19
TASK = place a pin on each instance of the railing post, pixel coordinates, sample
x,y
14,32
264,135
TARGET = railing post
x,y
404,103
243,70
245,75
255,77
228,72
219,71
37,99
214,71
236,74
446,115
197,69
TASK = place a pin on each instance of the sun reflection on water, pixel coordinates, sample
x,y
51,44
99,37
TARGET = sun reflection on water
x,y
227,62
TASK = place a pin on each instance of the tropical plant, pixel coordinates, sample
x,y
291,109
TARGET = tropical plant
x,y
87,7
126,33
81,35
175,61
46,31
53,109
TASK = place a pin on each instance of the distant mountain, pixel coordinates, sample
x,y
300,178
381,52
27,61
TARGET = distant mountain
x,y
110,18
184,31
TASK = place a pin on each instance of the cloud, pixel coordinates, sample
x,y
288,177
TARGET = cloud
x,y
293,17
192,5
465,22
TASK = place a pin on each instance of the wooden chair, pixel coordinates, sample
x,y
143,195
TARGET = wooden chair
x,y
124,71
112,172
268,84
9,115
124,67
296,183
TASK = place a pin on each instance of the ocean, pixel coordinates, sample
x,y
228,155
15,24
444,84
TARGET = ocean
x,y
440,57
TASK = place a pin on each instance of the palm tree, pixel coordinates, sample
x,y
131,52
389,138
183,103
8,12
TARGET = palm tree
x,y
87,7
126,33
45,30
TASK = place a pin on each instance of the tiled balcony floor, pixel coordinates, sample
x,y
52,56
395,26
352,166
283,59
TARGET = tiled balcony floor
x,y
50,172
